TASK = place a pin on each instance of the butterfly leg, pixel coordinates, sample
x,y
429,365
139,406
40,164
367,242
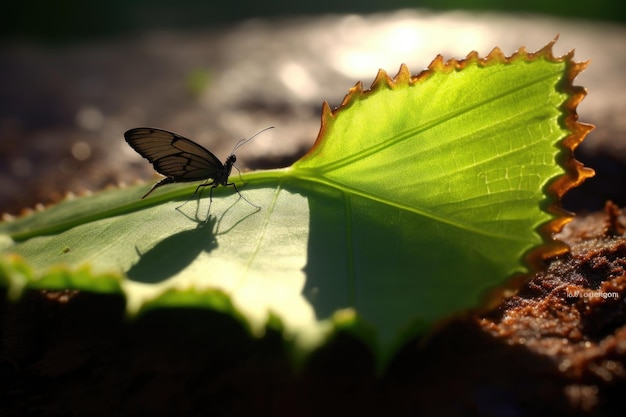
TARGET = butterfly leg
x,y
208,213
164,181
195,192
205,184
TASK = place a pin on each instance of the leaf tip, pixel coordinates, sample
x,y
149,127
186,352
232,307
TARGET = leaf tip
x,y
403,76
353,92
326,120
382,80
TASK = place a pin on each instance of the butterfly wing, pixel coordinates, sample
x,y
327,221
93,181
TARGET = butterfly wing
x,y
173,155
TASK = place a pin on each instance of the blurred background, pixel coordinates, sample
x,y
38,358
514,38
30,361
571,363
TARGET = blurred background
x,y
75,75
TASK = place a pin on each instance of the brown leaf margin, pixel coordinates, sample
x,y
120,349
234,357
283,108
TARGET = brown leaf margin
x,y
575,172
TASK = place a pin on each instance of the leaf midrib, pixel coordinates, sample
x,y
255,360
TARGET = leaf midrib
x,y
346,189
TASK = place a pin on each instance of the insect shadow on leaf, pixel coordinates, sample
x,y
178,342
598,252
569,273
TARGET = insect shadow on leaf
x,y
182,160
174,253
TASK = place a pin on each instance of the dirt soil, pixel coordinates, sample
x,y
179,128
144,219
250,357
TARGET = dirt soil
x,y
558,346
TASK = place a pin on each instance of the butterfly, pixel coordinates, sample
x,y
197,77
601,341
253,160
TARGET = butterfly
x,y
182,160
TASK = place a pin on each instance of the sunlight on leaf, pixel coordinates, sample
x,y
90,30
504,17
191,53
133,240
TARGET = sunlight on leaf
x,y
421,196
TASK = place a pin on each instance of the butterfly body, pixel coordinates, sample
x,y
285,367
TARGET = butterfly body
x,y
180,159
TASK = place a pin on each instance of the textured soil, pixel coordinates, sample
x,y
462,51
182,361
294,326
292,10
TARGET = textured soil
x,y
558,346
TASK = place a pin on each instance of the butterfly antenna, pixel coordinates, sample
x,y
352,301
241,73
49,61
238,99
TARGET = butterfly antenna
x,y
244,141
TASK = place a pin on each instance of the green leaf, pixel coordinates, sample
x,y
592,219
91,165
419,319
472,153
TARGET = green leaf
x,y
420,197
